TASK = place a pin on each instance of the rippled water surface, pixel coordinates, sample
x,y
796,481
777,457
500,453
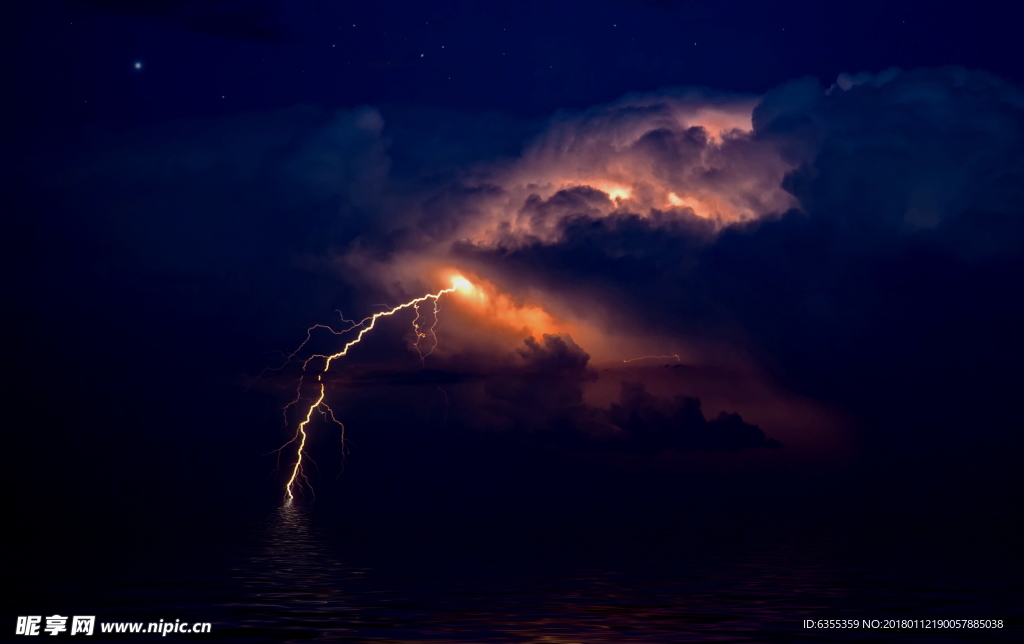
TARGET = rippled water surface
x,y
296,575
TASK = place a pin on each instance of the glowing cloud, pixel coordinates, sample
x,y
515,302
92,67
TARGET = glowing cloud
x,y
683,155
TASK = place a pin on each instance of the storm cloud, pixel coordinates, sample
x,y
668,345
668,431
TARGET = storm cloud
x,y
859,245
887,286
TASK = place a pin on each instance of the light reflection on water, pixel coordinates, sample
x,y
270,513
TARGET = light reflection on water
x,y
299,576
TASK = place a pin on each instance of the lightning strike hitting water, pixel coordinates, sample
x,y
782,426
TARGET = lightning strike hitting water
x,y
300,436
367,324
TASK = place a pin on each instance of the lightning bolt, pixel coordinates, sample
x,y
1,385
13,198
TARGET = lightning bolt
x,y
301,436
432,331
676,356
367,324
419,334
433,328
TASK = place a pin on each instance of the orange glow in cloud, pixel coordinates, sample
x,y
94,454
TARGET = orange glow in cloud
x,y
462,285
720,119
487,307
617,192
480,315
674,200
649,152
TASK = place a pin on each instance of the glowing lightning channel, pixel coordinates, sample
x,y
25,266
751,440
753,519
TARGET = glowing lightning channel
x,y
372,322
433,328
420,335
676,356
365,326
301,432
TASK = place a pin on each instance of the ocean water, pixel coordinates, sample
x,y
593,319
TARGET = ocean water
x,y
298,574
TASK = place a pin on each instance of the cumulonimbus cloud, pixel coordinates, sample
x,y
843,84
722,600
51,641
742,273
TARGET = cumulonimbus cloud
x,y
681,154
859,242
865,242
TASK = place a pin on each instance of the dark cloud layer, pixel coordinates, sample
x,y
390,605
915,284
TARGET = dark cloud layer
x,y
654,424
538,393
890,289
544,395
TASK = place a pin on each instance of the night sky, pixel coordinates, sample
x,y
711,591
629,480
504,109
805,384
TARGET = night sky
x,y
717,255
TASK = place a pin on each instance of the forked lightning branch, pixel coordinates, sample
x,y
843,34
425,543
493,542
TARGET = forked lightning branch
x,y
298,477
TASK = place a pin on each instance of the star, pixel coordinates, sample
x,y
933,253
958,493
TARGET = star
x,y
137,65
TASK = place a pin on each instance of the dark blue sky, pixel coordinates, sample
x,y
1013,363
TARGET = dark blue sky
x,y
76,60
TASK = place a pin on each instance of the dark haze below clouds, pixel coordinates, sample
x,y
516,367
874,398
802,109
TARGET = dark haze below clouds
x,y
152,265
